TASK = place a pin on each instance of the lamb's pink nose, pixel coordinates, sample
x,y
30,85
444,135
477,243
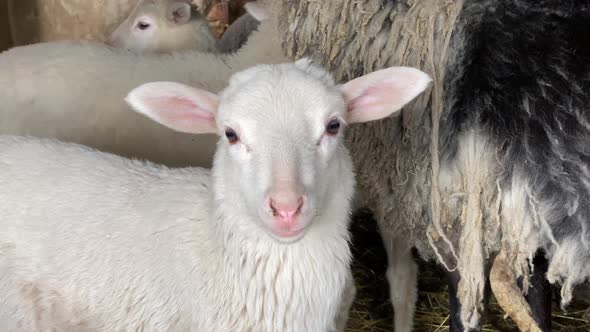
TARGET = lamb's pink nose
x,y
285,209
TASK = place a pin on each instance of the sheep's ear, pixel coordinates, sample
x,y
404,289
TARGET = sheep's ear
x,y
256,10
381,93
179,12
177,106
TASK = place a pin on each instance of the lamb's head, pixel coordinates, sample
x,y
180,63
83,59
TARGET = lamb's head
x,y
281,164
163,26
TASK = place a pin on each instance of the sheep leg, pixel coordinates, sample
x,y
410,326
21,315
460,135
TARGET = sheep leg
x,y
347,300
509,295
539,292
455,323
402,274
582,293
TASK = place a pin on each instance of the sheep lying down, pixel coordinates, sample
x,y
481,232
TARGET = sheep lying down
x,y
95,241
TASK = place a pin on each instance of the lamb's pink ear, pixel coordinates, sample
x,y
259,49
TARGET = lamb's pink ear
x,y
176,106
379,94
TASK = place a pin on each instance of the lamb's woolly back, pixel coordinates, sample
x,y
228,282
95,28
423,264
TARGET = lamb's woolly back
x,y
105,243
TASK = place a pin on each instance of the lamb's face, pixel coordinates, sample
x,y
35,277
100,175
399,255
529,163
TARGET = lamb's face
x,y
280,161
163,26
282,145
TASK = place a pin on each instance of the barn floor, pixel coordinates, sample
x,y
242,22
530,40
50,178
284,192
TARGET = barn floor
x,y
372,310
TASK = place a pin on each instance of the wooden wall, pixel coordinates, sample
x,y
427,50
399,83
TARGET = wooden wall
x,y
35,21
5,38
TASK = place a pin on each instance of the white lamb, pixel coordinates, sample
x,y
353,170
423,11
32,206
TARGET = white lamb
x,y
74,91
94,241
164,26
174,25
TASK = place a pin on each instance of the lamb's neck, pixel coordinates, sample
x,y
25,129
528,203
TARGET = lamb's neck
x,y
272,283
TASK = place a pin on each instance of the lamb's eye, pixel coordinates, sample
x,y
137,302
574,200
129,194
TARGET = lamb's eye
x,y
231,136
333,127
143,25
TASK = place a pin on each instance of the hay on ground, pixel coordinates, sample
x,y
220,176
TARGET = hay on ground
x,y
372,309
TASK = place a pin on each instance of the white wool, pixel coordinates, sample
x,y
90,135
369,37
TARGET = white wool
x,y
119,245
565,268
74,91
462,182
94,241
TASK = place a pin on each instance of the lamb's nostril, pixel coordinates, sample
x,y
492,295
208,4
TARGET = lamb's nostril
x,y
286,209
300,201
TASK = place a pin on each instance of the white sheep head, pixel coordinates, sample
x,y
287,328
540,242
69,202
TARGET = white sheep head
x,y
163,26
281,161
